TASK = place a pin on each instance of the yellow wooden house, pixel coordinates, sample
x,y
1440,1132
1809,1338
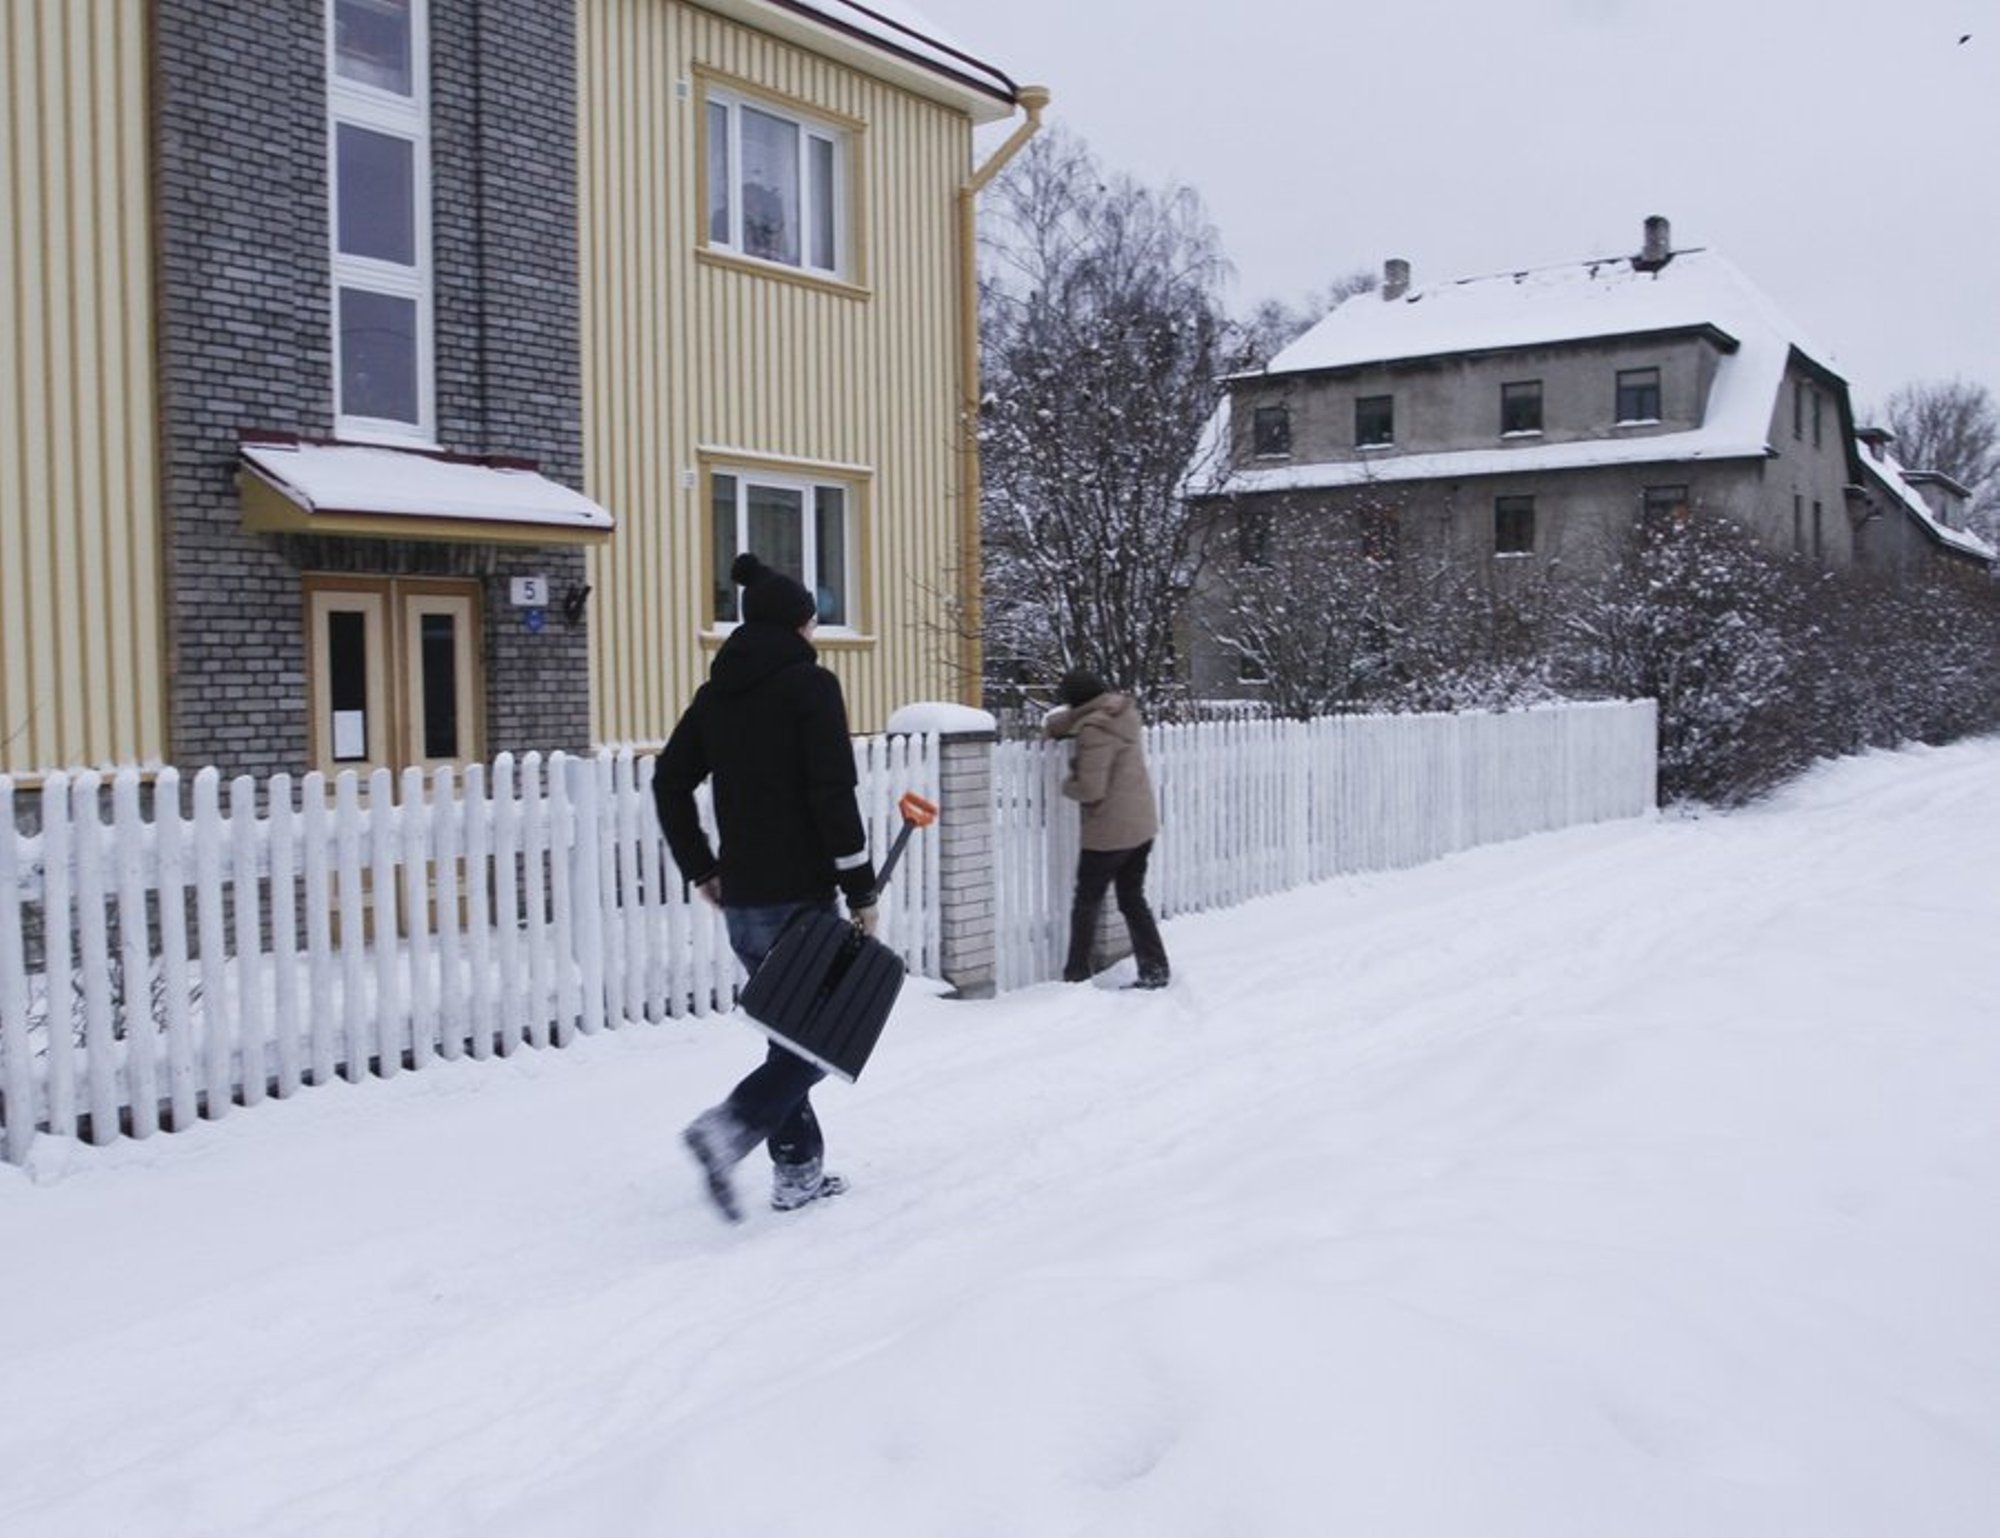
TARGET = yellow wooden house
x,y
418,424
779,342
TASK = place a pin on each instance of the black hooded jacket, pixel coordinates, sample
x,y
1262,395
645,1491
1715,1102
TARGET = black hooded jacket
x,y
770,727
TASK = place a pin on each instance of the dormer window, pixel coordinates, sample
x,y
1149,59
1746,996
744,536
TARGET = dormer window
x,y
1521,407
1374,421
1271,432
1638,395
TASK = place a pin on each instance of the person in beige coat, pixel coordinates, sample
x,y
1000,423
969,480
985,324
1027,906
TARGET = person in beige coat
x,y
1114,795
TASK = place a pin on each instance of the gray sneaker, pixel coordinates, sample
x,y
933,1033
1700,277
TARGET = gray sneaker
x,y
793,1185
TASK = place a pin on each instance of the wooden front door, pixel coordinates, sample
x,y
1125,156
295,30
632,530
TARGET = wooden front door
x,y
393,673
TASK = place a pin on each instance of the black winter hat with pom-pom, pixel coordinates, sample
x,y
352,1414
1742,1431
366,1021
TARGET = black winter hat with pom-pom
x,y
771,597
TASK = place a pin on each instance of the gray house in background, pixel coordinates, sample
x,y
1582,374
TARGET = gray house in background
x,y
1526,421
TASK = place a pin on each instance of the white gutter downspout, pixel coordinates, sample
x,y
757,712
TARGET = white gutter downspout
x,y
1034,100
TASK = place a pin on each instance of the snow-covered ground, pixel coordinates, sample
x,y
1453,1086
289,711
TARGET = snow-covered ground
x,y
1635,1180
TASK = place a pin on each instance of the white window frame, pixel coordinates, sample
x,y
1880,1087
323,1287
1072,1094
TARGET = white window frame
x,y
354,104
808,487
808,129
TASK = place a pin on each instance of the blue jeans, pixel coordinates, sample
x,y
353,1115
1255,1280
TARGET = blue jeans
x,y
774,1101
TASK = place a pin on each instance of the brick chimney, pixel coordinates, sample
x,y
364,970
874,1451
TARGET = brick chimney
x,y
1395,278
1658,248
1878,440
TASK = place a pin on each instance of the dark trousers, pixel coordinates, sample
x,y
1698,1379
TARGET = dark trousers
x,y
1099,870
774,1100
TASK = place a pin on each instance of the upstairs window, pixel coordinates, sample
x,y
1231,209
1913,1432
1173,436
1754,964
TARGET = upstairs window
x,y
1521,407
801,526
777,185
1816,405
378,157
1374,421
1638,395
1513,525
1271,432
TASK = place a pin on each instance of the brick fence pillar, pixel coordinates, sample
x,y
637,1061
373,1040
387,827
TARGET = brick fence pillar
x,y
968,954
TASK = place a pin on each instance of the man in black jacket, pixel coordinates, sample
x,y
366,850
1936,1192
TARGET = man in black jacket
x,y
770,728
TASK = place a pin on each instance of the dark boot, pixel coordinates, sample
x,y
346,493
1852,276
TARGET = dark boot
x,y
718,1140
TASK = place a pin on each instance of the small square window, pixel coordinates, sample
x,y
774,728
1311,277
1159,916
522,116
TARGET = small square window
x,y
1665,507
1271,432
1374,421
1379,533
1514,525
1638,395
1521,407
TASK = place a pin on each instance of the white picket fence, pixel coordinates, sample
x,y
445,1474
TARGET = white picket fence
x,y
1253,807
285,936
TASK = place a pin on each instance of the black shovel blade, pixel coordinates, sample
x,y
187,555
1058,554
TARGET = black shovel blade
x,y
824,992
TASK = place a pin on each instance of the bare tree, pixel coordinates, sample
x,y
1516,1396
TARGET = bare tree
x,y
1102,344
1274,325
1306,601
1952,426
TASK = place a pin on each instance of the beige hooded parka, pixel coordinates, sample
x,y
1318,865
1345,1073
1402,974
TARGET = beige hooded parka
x,y
1107,776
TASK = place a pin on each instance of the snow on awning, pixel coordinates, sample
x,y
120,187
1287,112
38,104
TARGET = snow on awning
x,y
293,487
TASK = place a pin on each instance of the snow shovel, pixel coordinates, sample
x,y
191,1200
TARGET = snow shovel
x,y
825,989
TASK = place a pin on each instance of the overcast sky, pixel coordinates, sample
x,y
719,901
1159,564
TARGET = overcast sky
x,y
1844,153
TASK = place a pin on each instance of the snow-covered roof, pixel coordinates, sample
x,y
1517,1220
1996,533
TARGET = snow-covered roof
x,y
905,32
329,480
1894,478
1609,297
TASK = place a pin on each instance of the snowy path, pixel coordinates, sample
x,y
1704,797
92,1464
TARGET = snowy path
x,y
1628,1181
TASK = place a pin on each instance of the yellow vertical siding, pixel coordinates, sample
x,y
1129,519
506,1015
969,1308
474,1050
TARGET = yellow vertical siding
x,y
682,355
81,673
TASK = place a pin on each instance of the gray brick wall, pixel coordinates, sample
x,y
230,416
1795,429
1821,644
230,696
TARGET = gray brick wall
x,y
245,342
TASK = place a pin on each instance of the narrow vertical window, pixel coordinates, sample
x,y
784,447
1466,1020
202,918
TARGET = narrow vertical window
x,y
822,200
1253,537
720,179
727,541
1271,432
1374,421
378,159
439,664
829,559
347,684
